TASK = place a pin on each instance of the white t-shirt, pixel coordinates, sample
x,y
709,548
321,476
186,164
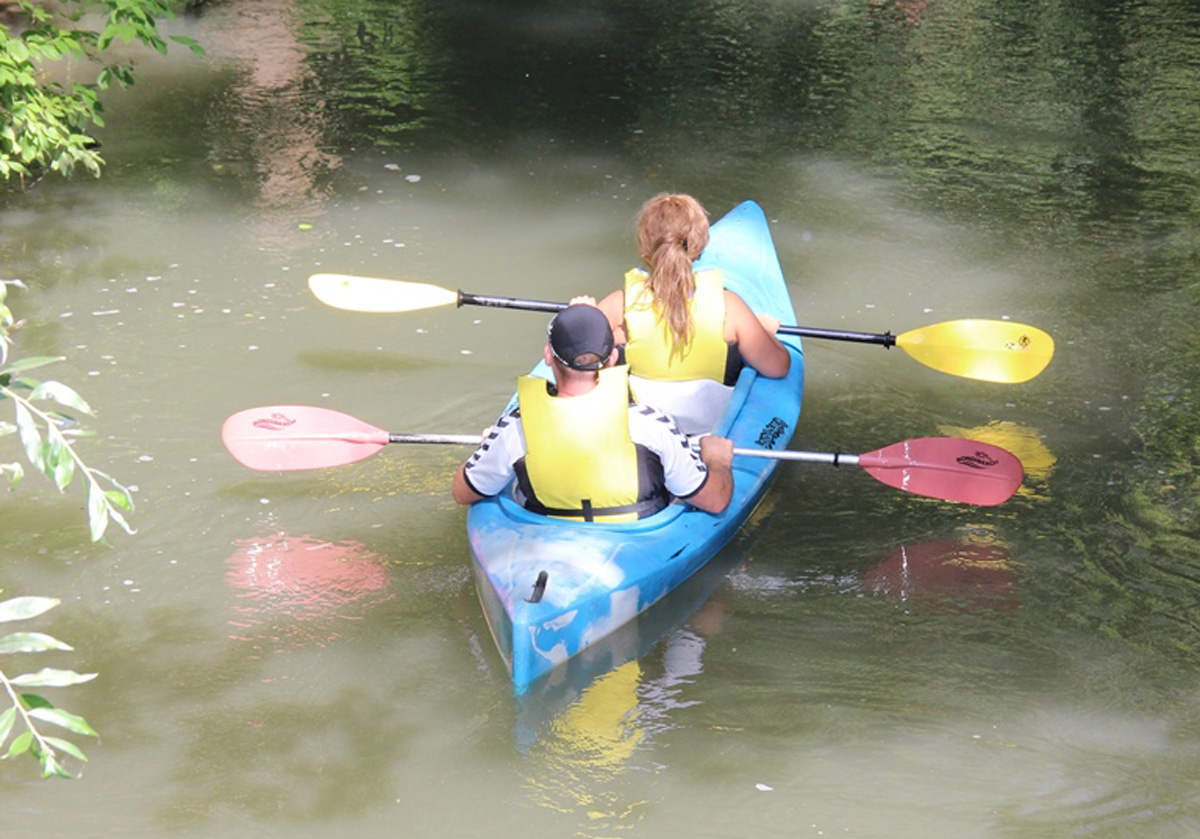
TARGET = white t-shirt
x,y
491,467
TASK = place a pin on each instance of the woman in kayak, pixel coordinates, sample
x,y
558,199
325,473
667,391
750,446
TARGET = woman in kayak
x,y
678,324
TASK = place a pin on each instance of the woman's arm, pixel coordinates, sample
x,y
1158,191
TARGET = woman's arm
x,y
613,307
757,344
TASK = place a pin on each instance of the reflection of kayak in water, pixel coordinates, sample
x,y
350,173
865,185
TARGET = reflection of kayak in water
x,y
598,577
674,625
283,580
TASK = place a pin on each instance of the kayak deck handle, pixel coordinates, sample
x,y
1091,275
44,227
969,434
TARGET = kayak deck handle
x,y
539,588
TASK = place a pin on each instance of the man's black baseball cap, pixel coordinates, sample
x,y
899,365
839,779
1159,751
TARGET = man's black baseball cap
x,y
581,338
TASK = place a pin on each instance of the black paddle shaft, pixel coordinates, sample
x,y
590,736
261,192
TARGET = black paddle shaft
x,y
465,299
887,339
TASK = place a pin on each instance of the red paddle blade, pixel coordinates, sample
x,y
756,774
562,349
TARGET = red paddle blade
x,y
294,437
949,468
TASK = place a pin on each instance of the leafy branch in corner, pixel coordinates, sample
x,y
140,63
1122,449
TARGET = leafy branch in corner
x,y
46,122
29,709
47,434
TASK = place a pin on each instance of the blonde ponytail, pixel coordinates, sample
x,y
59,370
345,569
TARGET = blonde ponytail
x,y
672,231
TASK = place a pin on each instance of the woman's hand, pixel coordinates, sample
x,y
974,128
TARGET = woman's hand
x,y
769,322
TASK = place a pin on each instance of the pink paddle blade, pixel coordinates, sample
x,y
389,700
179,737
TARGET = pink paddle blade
x,y
294,437
949,468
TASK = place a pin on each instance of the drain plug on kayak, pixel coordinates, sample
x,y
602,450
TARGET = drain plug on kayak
x,y
539,588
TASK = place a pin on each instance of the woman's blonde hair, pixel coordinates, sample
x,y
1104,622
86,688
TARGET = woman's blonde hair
x,y
672,230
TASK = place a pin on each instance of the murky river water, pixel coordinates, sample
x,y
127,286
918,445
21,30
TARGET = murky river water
x,y
303,655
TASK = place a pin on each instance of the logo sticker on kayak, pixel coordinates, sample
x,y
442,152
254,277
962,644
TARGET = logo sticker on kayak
x,y
979,460
275,422
771,433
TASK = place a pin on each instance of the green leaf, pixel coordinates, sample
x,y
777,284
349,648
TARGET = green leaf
x,y
64,719
66,746
15,470
23,608
59,461
189,43
52,678
20,745
64,471
31,437
31,362
61,394
51,768
30,642
119,498
97,511
6,723
32,700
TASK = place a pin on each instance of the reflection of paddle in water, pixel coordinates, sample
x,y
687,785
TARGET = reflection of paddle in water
x,y
288,585
947,575
1023,441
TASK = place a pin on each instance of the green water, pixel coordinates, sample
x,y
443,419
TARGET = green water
x,y
303,655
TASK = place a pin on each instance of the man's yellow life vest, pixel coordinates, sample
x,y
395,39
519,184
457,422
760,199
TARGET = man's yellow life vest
x,y
580,462
651,349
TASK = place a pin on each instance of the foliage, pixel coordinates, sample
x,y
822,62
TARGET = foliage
x,y
52,452
30,708
44,123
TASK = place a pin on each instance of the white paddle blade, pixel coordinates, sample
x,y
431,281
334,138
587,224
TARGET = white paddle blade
x,y
371,294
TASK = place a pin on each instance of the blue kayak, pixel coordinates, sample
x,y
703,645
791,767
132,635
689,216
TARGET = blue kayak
x,y
551,588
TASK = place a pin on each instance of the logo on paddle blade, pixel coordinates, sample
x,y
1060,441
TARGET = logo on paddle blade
x,y
771,432
275,422
979,460
1021,343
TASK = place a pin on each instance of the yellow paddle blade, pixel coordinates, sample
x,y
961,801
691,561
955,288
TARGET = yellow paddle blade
x,y
991,350
368,294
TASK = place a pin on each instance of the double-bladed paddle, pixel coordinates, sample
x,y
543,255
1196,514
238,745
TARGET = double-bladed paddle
x,y
990,350
297,437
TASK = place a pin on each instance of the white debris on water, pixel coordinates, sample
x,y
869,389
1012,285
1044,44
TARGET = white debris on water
x,y
764,788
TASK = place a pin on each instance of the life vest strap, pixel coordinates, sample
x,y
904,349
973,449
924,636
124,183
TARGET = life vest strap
x,y
644,508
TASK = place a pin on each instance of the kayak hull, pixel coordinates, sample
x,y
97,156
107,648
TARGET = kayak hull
x,y
551,588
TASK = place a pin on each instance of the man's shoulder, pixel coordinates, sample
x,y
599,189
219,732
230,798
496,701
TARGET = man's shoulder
x,y
648,421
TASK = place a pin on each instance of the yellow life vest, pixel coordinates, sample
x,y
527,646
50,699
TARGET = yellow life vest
x,y
580,462
651,349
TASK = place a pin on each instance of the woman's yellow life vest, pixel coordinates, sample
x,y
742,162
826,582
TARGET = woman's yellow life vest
x,y
580,461
651,350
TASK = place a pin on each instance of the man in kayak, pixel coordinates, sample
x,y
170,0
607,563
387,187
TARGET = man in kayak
x,y
581,448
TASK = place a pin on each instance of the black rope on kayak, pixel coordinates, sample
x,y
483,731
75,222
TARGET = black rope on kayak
x,y
836,458
539,588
